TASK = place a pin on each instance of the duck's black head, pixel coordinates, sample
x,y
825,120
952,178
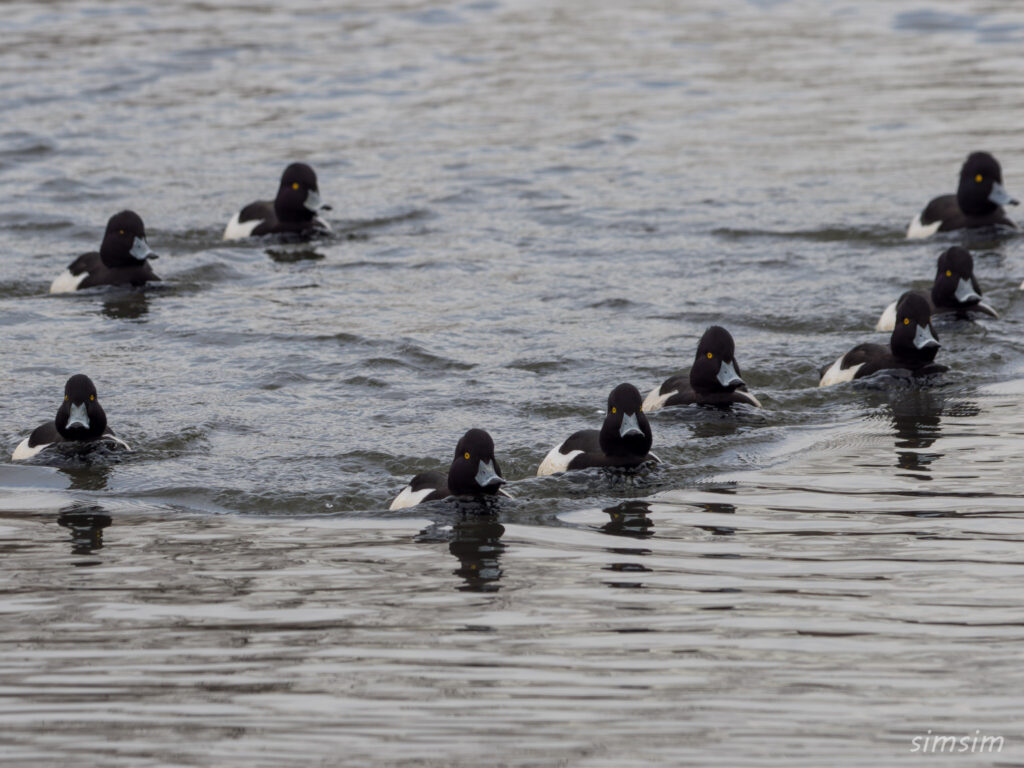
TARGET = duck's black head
x,y
80,416
298,197
914,338
715,368
124,242
981,189
626,432
474,470
955,285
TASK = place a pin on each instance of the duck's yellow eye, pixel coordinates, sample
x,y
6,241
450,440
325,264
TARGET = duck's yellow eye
x,y
91,398
978,178
466,455
295,185
614,409
65,398
906,321
949,273
710,355
120,232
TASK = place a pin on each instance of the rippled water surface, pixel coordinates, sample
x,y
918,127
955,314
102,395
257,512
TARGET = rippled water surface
x,y
533,202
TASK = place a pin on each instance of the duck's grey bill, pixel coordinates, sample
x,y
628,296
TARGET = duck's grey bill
x,y
486,476
965,291
630,425
141,250
79,417
727,375
313,202
1000,196
923,338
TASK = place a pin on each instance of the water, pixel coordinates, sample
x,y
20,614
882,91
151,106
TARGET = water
x,y
533,203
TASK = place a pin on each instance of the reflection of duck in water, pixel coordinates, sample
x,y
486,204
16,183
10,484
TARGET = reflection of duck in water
x,y
126,305
291,255
476,542
88,475
916,419
86,523
629,519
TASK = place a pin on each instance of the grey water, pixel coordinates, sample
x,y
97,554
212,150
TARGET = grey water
x,y
532,203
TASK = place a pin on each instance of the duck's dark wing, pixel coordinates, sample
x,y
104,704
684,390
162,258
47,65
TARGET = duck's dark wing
x,y
572,453
674,391
261,210
589,443
426,486
870,358
44,434
436,481
586,440
852,365
946,210
89,263
254,219
104,275
135,275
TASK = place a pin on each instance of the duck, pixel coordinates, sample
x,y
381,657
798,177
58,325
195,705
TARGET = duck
x,y
80,422
912,347
955,290
624,440
714,378
123,258
295,211
474,472
978,201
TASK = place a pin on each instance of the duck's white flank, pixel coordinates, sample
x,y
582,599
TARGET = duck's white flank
x,y
656,400
23,451
887,320
556,461
237,230
837,374
65,282
410,498
917,230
